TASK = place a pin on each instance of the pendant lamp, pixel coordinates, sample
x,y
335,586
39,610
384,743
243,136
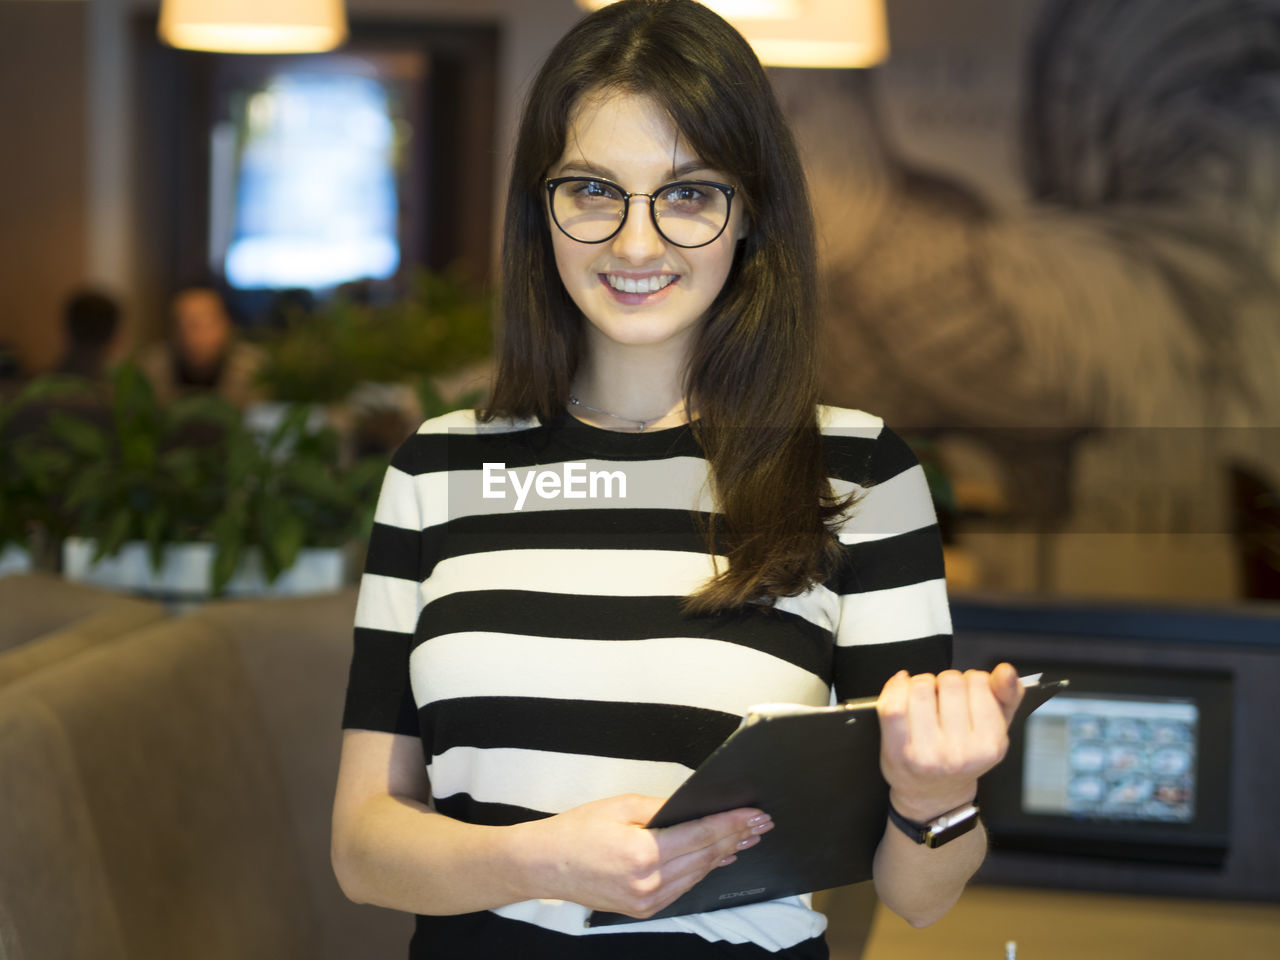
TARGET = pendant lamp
x,y
828,33
805,33
731,10
253,26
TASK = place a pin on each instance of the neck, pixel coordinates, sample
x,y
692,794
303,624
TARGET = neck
x,y
634,384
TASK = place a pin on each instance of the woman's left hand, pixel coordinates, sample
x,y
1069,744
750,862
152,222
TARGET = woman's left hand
x,y
938,734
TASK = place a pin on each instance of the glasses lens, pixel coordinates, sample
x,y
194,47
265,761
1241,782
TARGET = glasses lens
x,y
691,214
587,210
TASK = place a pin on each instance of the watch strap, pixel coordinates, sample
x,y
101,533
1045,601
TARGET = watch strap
x,y
914,830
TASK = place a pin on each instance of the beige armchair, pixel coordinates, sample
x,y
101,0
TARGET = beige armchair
x,y
67,618
167,794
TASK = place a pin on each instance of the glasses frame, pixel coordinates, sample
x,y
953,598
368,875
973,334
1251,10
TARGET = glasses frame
x,y
724,188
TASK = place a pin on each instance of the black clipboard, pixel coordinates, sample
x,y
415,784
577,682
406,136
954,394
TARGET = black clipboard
x,y
816,771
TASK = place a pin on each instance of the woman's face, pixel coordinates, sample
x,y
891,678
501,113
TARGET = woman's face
x,y
628,139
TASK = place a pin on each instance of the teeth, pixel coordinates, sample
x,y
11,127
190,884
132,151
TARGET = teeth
x,y
643,285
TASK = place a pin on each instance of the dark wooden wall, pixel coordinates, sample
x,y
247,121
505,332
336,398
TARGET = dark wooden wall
x,y
43,190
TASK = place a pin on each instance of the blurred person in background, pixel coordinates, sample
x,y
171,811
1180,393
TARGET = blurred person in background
x,y
10,369
91,319
203,352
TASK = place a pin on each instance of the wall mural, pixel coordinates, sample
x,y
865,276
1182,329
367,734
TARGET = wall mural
x,y
1074,263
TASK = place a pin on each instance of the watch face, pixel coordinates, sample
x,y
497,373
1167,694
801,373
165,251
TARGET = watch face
x,y
950,826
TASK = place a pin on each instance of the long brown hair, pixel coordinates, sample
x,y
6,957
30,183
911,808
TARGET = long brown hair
x,y
752,370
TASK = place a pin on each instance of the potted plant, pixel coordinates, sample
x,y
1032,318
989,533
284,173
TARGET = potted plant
x,y
35,469
290,506
187,500
442,325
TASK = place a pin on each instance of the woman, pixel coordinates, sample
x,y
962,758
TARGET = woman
x,y
573,598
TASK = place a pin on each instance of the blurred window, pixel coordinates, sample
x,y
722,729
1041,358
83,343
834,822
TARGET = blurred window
x,y
305,182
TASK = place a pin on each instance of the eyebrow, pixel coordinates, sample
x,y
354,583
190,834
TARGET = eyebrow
x,y
595,169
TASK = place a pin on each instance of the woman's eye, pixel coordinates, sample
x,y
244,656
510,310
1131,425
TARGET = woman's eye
x,y
595,190
685,198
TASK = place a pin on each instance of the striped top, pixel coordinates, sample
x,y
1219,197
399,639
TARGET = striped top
x,y
520,612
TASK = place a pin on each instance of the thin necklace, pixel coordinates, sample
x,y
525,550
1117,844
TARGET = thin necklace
x,y
641,424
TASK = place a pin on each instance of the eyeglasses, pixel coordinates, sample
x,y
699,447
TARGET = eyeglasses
x,y
687,213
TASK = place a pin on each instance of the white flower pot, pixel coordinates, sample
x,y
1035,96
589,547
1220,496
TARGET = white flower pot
x,y
14,559
186,571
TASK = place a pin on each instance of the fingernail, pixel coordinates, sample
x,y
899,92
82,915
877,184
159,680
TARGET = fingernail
x,y
757,820
749,842
727,860
763,827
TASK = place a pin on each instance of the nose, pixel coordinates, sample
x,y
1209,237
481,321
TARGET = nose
x,y
638,241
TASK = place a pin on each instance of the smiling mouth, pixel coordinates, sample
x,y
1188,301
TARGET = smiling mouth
x,y
640,285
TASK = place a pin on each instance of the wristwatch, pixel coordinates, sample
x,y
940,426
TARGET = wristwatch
x,y
939,830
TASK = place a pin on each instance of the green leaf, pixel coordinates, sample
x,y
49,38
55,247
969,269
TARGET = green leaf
x,y
280,551
311,481
84,438
207,407
133,390
229,543
292,425
91,483
38,471
155,530
187,469
117,532
52,386
139,451
365,476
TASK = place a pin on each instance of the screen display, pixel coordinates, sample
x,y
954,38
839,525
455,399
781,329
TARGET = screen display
x,y
1112,758
304,189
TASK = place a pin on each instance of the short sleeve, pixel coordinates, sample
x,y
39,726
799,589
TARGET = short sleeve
x,y
379,696
893,611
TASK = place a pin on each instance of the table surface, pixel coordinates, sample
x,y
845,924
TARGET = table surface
x,y
1059,925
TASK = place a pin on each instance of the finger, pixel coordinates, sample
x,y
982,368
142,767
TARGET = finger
x,y
891,709
1008,690
714,831
922,720
681,873
678,875
953,707
989,723
699,863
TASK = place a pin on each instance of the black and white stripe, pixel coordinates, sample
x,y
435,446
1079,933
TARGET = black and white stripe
x,y
541,653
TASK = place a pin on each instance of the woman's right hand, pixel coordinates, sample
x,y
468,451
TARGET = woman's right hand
x,y
602,856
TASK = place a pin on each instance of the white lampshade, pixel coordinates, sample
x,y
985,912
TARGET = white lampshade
x,y
804,33
829,33
253,26
731,10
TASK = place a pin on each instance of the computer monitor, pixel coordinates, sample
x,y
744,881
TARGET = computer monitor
x,y
1125,763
